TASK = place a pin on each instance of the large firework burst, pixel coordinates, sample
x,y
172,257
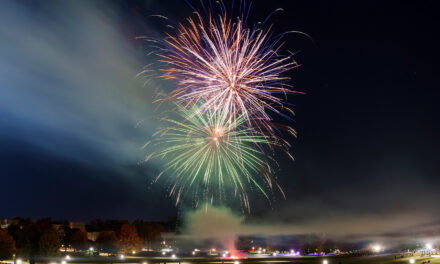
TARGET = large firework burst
x,y
230,81
228,66
209,153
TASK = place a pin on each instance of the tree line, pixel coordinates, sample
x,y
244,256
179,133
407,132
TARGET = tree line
x,y
29,239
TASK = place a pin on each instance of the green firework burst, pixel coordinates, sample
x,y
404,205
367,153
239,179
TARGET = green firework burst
x,y
210,155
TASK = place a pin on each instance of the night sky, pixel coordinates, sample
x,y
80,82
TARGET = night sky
x,y
73,117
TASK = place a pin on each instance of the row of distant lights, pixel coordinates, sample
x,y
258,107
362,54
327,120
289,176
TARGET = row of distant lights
x,y
427,246
263,250
19,261
412,261
173,256
378,248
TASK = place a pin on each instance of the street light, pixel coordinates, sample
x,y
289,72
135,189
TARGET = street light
x,y
236,262
325,261
63,262
377,248
67,257
91,248
173,256
18,261
429,246
122,256
412,261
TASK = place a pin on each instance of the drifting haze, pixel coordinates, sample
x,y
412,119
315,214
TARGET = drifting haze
x,y
72,112
68,74
220,224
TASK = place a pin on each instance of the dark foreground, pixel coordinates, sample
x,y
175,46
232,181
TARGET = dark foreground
x,y
376,259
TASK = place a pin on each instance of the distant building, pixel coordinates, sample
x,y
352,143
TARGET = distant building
x,y
4,223
59,228
78,225
92,236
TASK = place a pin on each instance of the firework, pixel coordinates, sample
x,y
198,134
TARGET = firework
x,y
230,81
210,153
228,66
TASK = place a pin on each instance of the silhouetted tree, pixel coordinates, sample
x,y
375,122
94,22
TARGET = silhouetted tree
x,y
77,239
114,225
49,243
129,239
22,239
148,231
24,247
96,225
172,225
29,237
7,245
107,241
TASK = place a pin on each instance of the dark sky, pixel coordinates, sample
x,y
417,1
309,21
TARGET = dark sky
x,y
73,117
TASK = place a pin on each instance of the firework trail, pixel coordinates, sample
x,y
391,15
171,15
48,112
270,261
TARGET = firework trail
x,y
209,152
228,66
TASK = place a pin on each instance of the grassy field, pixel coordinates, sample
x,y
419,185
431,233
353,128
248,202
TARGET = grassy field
x,y
375,259
380,259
